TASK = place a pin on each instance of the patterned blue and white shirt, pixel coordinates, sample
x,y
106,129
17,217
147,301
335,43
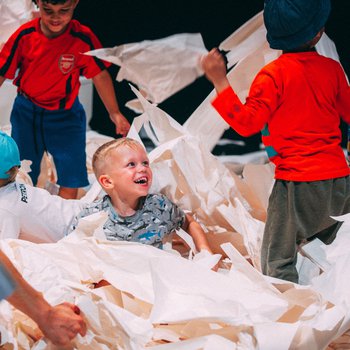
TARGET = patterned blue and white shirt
x,y
156,218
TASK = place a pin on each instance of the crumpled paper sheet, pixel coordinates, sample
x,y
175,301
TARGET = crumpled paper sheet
x,y
326,47
158,299
160,67
13,13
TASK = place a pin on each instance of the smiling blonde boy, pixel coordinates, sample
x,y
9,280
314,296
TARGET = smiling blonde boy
x,y
122,168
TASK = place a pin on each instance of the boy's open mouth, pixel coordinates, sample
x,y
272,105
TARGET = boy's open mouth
x,y
141,180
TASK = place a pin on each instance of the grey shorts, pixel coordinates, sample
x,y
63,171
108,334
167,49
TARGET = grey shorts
x,y
300,211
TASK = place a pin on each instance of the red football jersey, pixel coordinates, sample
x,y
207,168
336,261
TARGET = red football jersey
x,y
47,70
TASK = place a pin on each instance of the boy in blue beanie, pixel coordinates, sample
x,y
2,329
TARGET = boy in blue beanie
x,y
296,102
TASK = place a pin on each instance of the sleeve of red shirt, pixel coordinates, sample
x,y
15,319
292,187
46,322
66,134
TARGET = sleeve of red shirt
x,y
93,65
249,118
9,56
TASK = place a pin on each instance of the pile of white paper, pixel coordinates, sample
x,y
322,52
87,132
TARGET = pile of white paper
x,y
154,298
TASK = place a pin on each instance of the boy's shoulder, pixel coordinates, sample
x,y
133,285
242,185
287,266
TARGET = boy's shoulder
x,y
12,194
76,26
98,205
30,194
27,194
32,23
27,27
7,189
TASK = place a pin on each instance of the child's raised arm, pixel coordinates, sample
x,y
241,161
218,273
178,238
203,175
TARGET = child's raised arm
x,y
214,67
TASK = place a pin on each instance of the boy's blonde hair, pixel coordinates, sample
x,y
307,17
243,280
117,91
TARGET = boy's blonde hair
x,y
100,156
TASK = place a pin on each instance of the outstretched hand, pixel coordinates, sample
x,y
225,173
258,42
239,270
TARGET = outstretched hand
x,y
214,67
122,125
62,323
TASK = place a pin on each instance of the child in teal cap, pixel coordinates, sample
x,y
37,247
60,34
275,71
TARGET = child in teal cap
x,y
29,212
296,102
9,155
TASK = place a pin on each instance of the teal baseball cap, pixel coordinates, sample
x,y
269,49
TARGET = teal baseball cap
x,y
9,155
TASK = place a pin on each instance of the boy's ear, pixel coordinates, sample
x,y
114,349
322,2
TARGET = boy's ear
x,y
105,181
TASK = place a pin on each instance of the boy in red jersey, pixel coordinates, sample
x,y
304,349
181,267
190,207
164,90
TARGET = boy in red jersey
x,y
47,114
297,102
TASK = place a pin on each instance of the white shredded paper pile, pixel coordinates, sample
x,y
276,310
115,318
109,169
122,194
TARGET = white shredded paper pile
x,y
158,299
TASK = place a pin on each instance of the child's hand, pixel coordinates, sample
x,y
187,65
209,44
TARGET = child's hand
x,y
214,67
62,323
122,125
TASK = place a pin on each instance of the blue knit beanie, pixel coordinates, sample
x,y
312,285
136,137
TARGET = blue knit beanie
x,y
9,155
292,23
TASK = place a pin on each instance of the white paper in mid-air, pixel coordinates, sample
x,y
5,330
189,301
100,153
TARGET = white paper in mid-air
x,y
159,68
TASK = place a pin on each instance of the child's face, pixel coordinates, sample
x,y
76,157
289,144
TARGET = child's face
x,y
55,18
128,172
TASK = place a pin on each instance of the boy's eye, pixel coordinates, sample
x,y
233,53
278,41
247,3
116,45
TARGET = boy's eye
x,y
131,164
145,163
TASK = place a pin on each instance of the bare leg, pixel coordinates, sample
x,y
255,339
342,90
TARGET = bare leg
x,y
68,193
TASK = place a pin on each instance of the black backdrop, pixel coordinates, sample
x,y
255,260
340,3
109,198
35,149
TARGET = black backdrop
x,y
119,22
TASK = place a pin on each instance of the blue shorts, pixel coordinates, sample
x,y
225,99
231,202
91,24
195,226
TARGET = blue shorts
x,y
62,133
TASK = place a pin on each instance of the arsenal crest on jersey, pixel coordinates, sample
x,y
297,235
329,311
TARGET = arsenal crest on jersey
x,y
66,63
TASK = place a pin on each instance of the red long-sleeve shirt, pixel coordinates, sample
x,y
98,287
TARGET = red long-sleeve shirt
x,y
296,102
49,68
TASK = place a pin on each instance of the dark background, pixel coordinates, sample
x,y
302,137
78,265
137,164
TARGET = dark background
x,y
120,22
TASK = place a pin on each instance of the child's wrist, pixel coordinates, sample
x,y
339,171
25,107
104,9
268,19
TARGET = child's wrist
x,y
221,85
115,116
